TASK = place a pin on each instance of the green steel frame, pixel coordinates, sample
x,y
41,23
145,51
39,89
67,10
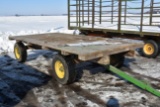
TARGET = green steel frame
x,y
81,12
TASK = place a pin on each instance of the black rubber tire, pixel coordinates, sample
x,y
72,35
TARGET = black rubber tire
x,y
22,51
156,48
69,69
117,60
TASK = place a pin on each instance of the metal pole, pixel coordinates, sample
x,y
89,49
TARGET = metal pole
x,y
125,13
112,11
119,15
93,14
69,14
77,12
88,12
100,13
142,12
83,11
151,12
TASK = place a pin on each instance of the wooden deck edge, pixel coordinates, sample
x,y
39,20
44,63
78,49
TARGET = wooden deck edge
x,y
104,53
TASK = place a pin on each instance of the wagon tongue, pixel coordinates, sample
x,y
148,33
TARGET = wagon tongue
x,y
136,82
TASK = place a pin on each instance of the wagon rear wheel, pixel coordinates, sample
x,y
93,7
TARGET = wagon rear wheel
x,y
20,52
151,49
63,69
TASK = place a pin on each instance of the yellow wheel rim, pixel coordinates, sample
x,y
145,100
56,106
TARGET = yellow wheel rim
x,y
59,68
17,53
148,49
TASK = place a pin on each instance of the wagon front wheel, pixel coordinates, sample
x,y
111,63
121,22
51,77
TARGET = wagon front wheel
x,y
20,52
63,69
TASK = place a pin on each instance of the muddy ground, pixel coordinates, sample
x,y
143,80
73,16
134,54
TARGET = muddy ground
x,y
28,85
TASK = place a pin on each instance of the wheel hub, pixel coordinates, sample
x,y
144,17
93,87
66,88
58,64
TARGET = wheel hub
x,y
59,68
17,53
148,49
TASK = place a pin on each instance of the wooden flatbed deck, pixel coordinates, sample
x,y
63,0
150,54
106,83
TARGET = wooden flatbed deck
x,y
86,47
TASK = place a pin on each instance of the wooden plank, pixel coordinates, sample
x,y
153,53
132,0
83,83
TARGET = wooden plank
x,y
110,51
60,43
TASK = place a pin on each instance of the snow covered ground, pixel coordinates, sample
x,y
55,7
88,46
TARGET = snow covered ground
x,y
10,26
27,85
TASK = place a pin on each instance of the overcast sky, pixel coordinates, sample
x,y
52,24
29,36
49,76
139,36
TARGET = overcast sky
x,y
32,7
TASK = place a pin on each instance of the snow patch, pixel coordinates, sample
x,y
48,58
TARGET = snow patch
x,y
19,26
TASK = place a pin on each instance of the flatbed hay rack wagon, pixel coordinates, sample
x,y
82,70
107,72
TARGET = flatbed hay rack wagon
x,y
138,19
73,49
